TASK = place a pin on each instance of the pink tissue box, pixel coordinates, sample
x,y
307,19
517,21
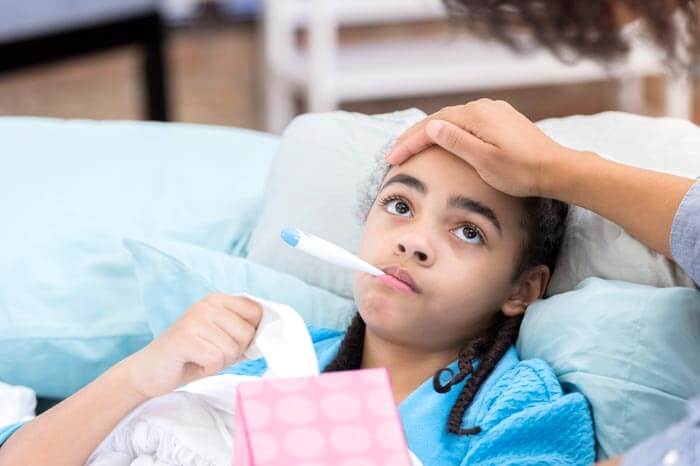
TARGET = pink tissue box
x,y
334,419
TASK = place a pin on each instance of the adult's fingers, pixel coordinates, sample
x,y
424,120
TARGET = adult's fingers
x,y
461,143
413,141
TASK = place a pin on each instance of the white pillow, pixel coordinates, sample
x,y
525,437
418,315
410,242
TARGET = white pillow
x,y
325,159
314,185
596,247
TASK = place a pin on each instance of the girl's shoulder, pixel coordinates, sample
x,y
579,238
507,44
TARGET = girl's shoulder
x,y
532,381
523,384
525,408
528,391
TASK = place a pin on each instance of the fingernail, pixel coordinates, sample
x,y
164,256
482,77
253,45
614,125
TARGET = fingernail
x,y
433,129
389,157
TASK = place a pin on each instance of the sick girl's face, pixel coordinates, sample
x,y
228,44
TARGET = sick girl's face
x,y
459,240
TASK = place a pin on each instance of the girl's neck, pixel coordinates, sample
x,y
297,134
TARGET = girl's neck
x,y
408,367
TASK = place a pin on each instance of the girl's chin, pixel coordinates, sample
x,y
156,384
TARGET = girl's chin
x,y
378,306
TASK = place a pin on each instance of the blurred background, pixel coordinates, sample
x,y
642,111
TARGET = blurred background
x,y
255,63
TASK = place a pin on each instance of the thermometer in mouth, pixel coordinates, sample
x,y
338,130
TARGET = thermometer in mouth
x,y
329,252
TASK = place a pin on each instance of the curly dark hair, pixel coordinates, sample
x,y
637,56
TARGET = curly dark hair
x,y
543,221
585,28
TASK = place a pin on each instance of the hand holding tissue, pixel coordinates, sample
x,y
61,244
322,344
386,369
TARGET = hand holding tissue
x,y
291,412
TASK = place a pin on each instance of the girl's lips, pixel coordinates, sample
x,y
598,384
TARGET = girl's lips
x,y
395,283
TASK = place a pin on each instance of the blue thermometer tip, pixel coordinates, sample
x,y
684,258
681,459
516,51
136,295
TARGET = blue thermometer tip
x,y
290,236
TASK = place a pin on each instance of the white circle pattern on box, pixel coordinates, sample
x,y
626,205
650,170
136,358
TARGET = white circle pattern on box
x,y
304,443
258,414
351,438
341,406
296,410
339,419
381,402
389,435
265,446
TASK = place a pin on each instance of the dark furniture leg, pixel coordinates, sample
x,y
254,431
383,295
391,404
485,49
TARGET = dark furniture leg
x,y
154,74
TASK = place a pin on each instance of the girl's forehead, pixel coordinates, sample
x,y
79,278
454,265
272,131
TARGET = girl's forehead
x,y
436,173
440,171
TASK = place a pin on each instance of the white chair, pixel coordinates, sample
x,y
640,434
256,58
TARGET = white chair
x,y
327,73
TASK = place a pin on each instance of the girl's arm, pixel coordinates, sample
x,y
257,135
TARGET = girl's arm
x,y
211,335
70,431
514,156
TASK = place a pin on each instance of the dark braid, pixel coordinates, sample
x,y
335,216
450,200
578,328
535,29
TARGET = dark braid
x,y
349,355
487,349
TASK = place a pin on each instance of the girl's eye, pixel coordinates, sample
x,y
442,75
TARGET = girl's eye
x,y
397,206
469,234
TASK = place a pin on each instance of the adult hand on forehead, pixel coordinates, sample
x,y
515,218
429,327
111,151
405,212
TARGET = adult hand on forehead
x,y
508,151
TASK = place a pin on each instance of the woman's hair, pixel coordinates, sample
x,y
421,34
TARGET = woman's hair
x,y
585,28
543,221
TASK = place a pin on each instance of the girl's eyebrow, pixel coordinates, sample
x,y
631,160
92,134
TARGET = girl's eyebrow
x,y
455,202
408,180
471,205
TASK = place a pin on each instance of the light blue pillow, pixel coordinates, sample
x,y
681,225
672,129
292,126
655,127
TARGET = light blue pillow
x,y
632,350
175,275
70,192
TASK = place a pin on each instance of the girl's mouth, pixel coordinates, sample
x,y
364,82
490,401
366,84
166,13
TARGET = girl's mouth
x,y
392,281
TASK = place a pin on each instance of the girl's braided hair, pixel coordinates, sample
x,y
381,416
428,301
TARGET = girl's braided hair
x,y
575,28
544,222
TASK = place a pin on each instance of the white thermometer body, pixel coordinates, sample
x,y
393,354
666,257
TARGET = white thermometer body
x,y
327,251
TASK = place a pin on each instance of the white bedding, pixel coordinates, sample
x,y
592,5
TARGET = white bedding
x,y
190,426
17,404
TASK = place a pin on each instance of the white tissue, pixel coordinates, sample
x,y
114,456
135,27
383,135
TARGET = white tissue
x,y
283,340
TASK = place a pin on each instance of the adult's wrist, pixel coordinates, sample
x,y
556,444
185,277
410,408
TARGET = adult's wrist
x,y
567,173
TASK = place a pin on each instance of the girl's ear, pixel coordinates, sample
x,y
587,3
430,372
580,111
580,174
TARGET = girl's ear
x,y
529,287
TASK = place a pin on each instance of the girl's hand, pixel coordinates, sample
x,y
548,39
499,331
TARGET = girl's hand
x,y
213,334
507,150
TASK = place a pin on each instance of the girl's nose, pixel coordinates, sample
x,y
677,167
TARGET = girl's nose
x,y
416,248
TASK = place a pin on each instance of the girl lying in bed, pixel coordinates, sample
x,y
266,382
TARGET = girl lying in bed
x,y
468,259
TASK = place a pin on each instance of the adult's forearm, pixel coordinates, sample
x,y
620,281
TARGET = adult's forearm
x,y
643,202
69,432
